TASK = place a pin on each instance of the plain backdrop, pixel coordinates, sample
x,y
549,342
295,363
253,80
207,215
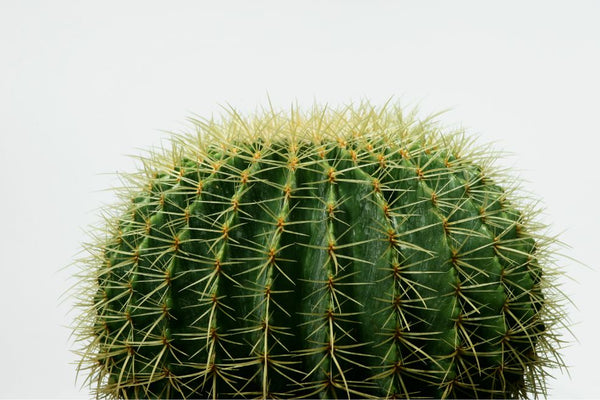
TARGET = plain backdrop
x,y
83,85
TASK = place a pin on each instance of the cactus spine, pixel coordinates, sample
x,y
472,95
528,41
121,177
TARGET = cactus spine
x,y
338,253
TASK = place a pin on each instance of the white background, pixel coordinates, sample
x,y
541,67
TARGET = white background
x,y
84,84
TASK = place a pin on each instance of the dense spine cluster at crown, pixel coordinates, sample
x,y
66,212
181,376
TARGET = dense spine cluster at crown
x,y
349,253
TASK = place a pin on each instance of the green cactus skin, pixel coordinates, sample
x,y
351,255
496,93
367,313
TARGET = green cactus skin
x,y
339,253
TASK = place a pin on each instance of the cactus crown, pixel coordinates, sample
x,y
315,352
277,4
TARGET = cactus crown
x,y
357,252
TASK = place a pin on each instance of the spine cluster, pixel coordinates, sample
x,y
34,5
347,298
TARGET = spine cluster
x,y
340,254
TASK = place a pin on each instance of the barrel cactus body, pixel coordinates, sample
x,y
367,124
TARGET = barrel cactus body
x,y
336,253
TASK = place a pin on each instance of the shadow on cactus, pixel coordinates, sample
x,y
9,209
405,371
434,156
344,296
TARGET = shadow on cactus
x,y
355,252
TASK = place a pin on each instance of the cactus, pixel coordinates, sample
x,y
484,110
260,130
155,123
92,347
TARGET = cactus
x,y
357,252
